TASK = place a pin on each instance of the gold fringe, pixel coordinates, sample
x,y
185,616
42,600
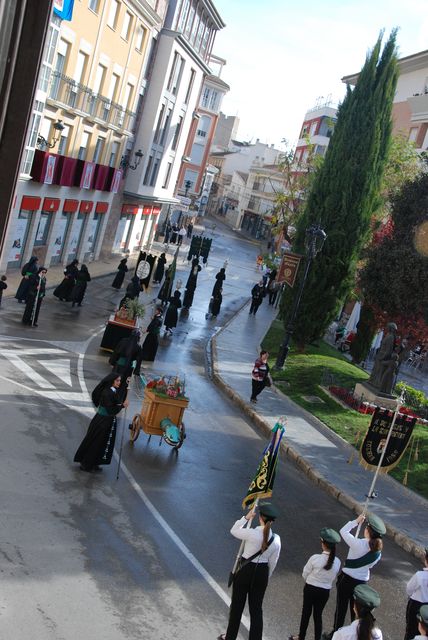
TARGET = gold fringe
x,y
405,478
416,456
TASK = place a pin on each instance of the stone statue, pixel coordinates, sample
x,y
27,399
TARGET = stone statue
x,y
389,372
383,354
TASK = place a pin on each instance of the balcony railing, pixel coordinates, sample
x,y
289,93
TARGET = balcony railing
x,y
77,96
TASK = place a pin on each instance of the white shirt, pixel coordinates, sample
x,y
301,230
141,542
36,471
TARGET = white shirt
x,y
314,573
358,547
350,632
417,587
253,542
182,232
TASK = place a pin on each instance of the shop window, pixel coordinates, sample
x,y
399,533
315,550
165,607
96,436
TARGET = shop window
x,y
43,229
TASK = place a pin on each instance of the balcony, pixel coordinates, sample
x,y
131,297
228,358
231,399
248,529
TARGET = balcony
x,y
78,97
419,107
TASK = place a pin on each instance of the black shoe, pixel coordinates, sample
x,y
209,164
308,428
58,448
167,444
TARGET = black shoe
x,y
35,324
97,468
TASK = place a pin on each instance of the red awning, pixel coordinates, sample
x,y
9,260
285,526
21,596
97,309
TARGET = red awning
x,y
51,204
156,211
102,207
130,209
30,203
86,206
147,210
70,206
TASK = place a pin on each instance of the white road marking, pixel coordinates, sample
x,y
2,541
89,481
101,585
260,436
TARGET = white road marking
x,y
60,368
28,371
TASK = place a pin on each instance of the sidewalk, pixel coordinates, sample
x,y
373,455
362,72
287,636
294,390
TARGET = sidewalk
x,y
321,454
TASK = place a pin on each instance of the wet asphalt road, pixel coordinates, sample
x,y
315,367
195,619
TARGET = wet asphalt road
x,y
146,556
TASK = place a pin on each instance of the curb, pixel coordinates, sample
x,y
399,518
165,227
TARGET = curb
x,y
400,538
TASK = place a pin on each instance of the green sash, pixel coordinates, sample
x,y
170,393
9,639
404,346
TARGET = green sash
x,y
367,558
103,411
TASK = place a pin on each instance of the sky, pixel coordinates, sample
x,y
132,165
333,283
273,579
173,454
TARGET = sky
x,y
284,55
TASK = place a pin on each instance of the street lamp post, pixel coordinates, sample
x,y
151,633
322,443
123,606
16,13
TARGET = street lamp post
x,y
314,240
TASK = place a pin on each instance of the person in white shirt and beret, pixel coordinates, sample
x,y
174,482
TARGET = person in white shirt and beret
x,y
365,599
417,590
319,573
259,558
364,553
422,618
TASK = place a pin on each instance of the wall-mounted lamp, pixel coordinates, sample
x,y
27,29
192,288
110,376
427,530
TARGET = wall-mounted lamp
x,y
125,164
196,116
42,142
187,159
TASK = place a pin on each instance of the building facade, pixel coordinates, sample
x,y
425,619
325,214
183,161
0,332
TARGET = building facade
x,y
89,90
316,131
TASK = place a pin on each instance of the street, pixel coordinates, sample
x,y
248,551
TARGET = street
x,y
147,555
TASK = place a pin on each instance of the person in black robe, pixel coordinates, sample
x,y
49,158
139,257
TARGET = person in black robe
x,y
35,295
216,300
160,268
79,289
64,289
150,259
127,355
191,284
174,234
120,275
167,233
96,448
29,269
165,290
257,295
189,230
132,291
219,279
151,343
171,316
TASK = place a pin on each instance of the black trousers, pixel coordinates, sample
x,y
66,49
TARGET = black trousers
x,y
412,610
255,304
250,581
314,601
272,297
345,586
256,388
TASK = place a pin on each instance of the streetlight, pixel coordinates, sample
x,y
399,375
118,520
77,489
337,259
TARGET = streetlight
x,y
42,143
125,163
314,240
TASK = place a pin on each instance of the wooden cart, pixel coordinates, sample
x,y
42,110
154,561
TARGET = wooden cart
x,y
155,409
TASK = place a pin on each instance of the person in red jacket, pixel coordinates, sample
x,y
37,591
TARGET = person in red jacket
x,y
260,377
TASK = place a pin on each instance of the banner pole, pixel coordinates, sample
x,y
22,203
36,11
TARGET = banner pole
x,y
241,546
400,402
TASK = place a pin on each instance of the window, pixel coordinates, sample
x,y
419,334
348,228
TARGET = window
x,y
62,146
93,5
177,133
148,170
99,79
197,153
155,172
167,175
99,145
159,124
313,128
83,145
114,82
126,27
80,69
203,127
139,42
113,14
43,229
190,176
175,74
166,126
214,100
184,11
189,22
127,98
413,133
190,86
113,154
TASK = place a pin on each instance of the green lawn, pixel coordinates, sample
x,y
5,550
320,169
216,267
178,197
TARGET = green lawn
x,y
304,374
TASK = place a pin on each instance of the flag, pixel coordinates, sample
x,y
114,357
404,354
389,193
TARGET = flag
x,y
375,440
262,485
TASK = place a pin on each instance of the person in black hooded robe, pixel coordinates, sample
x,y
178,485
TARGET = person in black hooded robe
x,y
151,343
171,316
64,289
127,355
219,279
165,290
79,289
96,448
29,269
160,268
35,295
120,275
216,300
192,281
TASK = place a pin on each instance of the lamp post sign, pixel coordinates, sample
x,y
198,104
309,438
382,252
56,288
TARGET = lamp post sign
x,y
288,269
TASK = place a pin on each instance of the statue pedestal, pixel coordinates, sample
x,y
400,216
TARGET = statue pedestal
x,y
364,391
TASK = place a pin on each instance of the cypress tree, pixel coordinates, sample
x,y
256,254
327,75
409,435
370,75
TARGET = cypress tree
x,y
346,192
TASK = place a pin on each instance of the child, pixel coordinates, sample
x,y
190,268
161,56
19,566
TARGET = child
x,y
3,286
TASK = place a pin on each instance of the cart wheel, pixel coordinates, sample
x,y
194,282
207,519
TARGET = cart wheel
x,y
182,436
135,428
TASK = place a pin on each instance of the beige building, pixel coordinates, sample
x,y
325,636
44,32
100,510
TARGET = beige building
x,y
81,134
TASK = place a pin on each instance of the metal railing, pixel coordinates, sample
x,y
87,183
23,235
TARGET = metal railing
x,y
77,96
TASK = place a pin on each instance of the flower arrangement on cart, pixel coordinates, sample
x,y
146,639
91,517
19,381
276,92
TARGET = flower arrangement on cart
x,y
169,386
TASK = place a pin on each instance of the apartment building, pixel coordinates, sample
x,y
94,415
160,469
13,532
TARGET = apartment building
x,y
81,133
317,129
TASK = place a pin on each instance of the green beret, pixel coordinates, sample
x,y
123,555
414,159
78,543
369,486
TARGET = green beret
x,y
376,524
422,616
366,596
329,535
268,510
